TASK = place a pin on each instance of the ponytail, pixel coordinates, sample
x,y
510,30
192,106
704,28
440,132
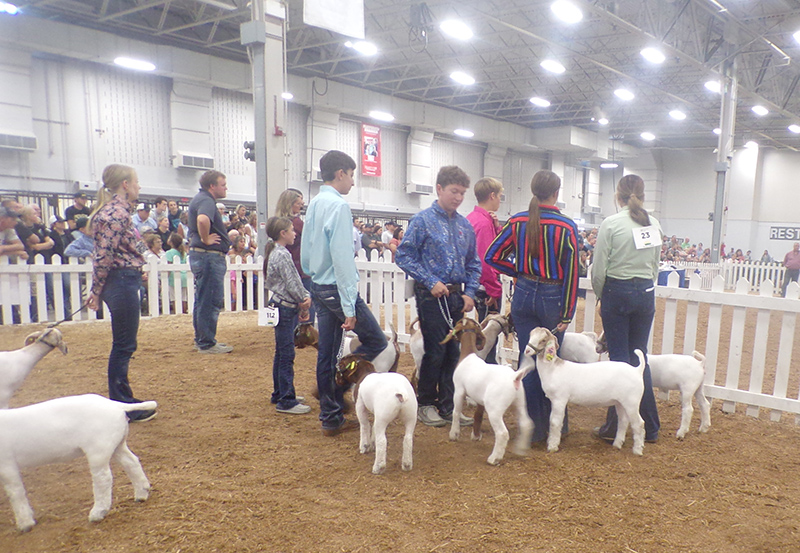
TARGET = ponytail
x,y
543,185
113,177
630,192
275,225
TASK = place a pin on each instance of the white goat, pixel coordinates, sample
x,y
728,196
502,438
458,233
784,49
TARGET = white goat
x,y
492,325
494,388
685,373
59,430
17,364
591,384
386,361
579,348
388,396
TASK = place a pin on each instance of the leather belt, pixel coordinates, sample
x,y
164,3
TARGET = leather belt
x,y
452,288
201,250
537,278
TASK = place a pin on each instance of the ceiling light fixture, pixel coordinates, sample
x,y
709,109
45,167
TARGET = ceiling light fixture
x,y
602,121
566,11
10,9
363,47
541,102
713,86
717,131
462,78
381,116
796,36
464,132
287,96
677,114
624,94
456,29
609,165
750,144
794,128
761,111
218,4
131,63
553,66
648,136
653,55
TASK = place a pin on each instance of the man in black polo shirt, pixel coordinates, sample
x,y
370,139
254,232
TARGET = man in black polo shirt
x,y
208,246
78,207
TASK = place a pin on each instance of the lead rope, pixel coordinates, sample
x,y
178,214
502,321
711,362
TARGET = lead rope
x,y
447,317
341,350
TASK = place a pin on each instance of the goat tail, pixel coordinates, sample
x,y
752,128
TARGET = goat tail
x,y
641,364
400,397
143,406
521,373
700,357
394,333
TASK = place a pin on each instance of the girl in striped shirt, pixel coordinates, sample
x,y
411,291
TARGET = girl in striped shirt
x,y
540,248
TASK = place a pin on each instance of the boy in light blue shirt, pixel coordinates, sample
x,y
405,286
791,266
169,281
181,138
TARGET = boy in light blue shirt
x,y
326,255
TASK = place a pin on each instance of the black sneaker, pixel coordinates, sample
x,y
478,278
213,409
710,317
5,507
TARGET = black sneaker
x,y
142,416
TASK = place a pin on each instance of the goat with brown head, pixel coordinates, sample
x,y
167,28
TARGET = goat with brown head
x,y
305,335
464,328
352,369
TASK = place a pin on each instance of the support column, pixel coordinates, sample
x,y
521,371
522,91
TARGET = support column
x,y
264,35
729,87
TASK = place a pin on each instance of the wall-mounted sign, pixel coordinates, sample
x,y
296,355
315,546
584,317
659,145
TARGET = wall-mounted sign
x,y
784,233
370,150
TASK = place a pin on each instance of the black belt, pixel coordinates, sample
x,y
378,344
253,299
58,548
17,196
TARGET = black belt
x,y
537,278
201,250
635,280
452,288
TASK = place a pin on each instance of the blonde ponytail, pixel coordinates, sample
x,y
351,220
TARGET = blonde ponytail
x,y
113,177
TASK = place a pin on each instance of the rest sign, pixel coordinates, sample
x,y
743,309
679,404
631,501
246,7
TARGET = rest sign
x,y
646,237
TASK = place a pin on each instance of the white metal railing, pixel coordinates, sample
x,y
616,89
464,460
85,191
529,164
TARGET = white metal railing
x,y
729,339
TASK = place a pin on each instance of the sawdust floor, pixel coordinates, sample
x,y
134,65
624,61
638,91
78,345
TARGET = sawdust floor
x,y
230,474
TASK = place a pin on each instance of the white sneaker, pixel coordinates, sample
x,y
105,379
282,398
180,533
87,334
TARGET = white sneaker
x,y
298,409
429,416
217,348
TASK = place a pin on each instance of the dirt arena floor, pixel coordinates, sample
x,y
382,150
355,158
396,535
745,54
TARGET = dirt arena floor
x,y
230,474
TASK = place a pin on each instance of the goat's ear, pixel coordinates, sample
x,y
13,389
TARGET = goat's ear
x,y
62,347
529,351
480,341
31,338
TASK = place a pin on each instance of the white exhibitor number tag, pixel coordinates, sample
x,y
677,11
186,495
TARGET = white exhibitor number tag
x,y
268,316
646,237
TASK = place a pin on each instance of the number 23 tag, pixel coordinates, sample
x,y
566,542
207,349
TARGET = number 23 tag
x,y
646,237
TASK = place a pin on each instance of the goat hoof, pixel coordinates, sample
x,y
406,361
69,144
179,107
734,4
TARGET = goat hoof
x,y
638,452
552,449
406,466
476,437
26,527
378,470
97,516
454,437
493,462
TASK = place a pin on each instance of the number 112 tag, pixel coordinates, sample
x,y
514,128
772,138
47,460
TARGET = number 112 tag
x,y
646,237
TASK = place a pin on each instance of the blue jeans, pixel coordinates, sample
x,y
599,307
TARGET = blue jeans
x,y
283,363
209,271
536,304
627,309
435,386
330,318
121,294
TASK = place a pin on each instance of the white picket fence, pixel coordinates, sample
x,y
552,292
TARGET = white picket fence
x,y
764,350
754,272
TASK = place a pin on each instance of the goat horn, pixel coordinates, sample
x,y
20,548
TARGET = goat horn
x,y
450,336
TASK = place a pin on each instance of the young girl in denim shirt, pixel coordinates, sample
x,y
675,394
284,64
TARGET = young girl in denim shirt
x,y
291,300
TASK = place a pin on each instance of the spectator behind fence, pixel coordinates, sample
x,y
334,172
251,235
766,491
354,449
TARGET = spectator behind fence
x,y
483,219
766,257
388,233
208,245
162,229
77,208
438,252
292,301
83,245
177,251
623,274
142,220
174,215
397,238
791,262
117,276
32,233
539,247
326,256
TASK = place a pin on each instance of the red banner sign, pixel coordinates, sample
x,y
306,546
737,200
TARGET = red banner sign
x,y
370,150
